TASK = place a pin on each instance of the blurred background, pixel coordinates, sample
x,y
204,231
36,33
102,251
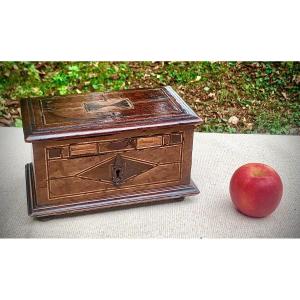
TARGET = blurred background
x,y
234,97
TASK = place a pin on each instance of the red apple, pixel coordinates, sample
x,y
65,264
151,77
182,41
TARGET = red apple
x,y
256,189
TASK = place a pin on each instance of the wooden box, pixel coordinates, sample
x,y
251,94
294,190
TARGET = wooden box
x,y
105,150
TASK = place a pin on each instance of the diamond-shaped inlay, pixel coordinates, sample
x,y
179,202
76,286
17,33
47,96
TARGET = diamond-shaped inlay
x,y
116,170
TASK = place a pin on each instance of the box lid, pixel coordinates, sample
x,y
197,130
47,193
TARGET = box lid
x,y
92,114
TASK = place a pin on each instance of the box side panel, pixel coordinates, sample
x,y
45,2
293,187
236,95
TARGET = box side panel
x,y
187,154
40,172
80,170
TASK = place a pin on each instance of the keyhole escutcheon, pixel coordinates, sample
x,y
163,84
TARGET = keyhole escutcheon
x,y
117,170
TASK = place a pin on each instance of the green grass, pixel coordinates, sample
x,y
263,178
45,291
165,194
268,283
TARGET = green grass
x,y
264,96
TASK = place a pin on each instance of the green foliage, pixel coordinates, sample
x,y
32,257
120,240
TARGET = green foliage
x,y
265,96
18,123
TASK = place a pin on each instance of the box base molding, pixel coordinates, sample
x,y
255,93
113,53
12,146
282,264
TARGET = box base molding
x,y
163,195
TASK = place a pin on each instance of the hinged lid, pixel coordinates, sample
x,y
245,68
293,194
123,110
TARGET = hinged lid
x,y
94,114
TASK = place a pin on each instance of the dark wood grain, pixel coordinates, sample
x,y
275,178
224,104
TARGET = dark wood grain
x,y
107,165
63,117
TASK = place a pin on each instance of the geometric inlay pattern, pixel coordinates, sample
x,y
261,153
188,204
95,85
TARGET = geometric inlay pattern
x,y
108,105
118,167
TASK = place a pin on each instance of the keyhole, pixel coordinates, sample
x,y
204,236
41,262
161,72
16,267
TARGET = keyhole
x,y
117,170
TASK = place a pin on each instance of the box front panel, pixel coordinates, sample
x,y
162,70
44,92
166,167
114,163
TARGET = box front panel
x,y
103,167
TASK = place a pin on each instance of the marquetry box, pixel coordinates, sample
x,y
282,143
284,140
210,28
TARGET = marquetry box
x,y
104,150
